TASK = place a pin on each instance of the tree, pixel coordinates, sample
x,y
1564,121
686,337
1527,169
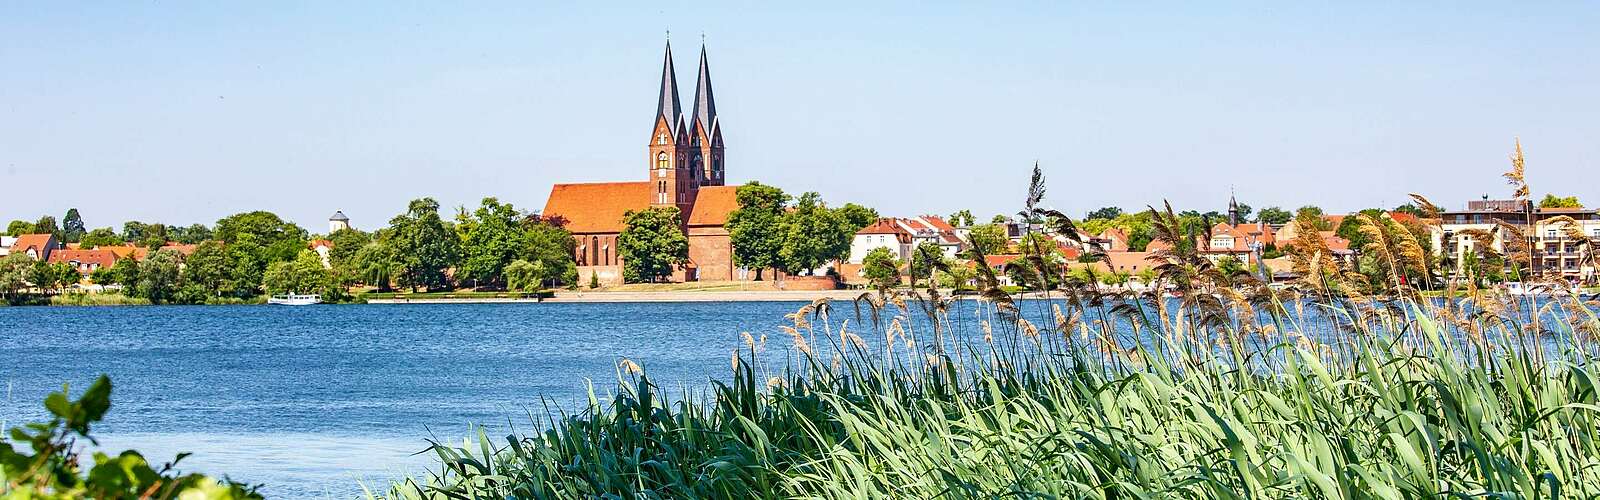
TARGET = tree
x,y
346,242
1552,201
1313,215
1350,229
881,269
1244,213
1107,213
989,238
278,240
962,218
652,244
922,260
72,226
47,225
158,276
755,227
193,234
52,276
490,239
424,247
19,228
375,264
14,269
549,245
813,235
1410,209
304,274
857,216
1275,216
101,237
524,276
208,270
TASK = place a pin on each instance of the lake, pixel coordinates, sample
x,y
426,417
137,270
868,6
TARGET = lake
x,y
313,401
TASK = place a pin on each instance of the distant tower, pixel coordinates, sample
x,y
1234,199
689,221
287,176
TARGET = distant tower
x,y
1233,211
675,184
338,221
705,132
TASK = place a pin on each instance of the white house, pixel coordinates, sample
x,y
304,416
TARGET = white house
x,y
884,233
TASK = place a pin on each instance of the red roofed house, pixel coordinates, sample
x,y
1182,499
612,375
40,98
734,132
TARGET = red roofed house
x,y
931,229
884,233
86,261
35,246
684,169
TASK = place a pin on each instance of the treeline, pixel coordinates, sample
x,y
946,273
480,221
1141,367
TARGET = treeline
x,y
247,255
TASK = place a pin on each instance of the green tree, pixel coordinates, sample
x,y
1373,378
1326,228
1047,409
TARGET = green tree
x,y
1244,213
1553,201
989,238
246,265
524,276
346,242
857,216
755,228
1275,216
376,264
491,237
813,235
548,244
276,239
158,276
1107,213
304,274
103,276
47,224
193,234
962,218
923,260
423,245
881,269
1410,209
1350,229
101,237
72,226
126,273
52,276
19,228
208,269
1314,215
652,244
14,269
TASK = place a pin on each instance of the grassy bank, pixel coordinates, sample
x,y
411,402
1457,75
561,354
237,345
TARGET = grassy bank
x,y
1237,394
96,299
465,295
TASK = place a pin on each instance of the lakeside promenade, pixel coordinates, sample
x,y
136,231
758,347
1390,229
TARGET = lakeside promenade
x,y
650,296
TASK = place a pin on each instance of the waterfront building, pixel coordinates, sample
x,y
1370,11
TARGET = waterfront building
x,y
685,168
85,261
1554,252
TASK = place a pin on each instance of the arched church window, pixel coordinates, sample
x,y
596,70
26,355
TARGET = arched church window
x,y
680,160
661,160
594,246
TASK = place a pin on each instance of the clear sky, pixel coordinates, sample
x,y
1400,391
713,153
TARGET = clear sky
x,y
184,112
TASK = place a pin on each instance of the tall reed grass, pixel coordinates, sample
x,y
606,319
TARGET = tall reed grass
x,y
1095,397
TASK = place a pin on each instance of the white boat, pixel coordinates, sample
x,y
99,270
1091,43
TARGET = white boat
x,y
292,299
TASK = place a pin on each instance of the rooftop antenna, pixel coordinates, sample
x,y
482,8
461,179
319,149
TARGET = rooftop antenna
x,y
669,34
702,38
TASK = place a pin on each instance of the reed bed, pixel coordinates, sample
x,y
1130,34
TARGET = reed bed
x,y
1094,396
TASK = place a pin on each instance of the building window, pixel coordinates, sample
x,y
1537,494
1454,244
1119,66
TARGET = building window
x,y
1549,233
661,160
594,249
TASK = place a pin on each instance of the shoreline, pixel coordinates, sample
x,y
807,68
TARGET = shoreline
x,y
650,296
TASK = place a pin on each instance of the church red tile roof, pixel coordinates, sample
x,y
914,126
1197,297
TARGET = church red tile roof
x,y
713,204
596,207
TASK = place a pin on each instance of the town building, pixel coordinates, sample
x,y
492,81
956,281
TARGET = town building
x,y
884,233
338,222
684,169
322,247
85,261
35,246
1554,252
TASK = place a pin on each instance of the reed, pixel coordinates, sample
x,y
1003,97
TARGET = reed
x,y
1284,397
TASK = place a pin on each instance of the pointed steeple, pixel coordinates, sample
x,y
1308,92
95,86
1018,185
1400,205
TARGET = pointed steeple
x,y
668,106
1233,209
705,106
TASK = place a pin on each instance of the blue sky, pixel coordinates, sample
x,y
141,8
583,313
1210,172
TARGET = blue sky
x,y
185,112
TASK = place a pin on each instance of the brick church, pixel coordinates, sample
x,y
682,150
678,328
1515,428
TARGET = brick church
x,y
683,167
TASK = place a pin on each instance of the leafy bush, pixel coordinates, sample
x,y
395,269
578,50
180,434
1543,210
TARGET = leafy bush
x,y
52,466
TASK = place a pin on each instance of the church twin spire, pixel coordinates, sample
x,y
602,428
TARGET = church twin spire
x,y
695,137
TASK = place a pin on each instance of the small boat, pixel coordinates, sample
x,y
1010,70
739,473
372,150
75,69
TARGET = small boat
x,y
292,299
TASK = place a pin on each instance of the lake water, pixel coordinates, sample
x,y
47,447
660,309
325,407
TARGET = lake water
x,y
314,401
